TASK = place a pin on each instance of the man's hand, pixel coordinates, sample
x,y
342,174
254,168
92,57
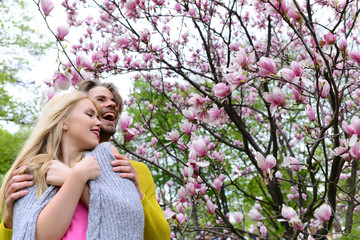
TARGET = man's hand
x,y
15,190
123,165
57,173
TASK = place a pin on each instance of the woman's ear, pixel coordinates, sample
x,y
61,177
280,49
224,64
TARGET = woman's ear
x,y
65,126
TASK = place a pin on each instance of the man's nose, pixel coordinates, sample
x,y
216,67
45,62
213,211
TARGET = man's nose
x,y
110,103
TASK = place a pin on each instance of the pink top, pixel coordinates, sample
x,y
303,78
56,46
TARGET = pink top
x,y
79,224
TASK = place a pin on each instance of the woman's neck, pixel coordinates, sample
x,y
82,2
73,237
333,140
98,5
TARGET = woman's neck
x,y
68,153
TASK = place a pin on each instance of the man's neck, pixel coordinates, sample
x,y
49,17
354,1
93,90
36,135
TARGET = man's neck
x,y
104,138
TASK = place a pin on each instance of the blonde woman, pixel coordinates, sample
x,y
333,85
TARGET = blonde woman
x,y
67,129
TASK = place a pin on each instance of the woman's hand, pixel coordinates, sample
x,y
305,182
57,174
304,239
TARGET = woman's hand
x,y
57,173
88,167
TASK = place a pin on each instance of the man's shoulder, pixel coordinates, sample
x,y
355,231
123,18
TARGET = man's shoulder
x,y
139,166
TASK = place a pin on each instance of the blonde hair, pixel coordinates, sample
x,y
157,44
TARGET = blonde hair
x,y
43,144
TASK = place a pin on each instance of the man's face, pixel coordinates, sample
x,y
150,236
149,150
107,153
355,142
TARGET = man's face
x,y
109,112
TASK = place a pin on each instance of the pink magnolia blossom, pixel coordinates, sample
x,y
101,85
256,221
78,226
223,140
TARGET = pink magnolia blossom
x,y
216,116
323,213
292,163
353,128
287,212
263,230
252,229
159,2
238,216
203,189
355,151
287,74
131,9
221,90
197,101
278,175
154,140
142,150
310,112
131,134
324,88
217,184
222,177
276,98
299,98
187,127
297,69
210,207
192,12
182,194
190,187
267,163
235,79
355,56
293,13
190,113
296,223
125,122
235,46
178,7
243,60
342,44
168,213
98,59
200,147
274,6
62,80
254,214
330,38
49,93
62,32
267,67
47,6
173,136
180,218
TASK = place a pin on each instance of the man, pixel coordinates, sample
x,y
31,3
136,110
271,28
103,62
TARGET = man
x,y
106,94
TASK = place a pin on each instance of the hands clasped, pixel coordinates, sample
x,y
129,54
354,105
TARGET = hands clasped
x,y
58,172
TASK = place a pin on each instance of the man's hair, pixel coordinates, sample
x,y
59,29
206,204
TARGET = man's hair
x,y
87,85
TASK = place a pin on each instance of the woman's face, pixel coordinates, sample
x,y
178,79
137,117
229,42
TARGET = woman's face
x,y
82,128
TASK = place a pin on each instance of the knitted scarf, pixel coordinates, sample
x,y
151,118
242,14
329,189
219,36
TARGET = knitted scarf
x,y
115,209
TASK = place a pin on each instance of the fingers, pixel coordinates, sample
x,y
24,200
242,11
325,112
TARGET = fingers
x,y
125,169
21,184
123,162
130,176
17,183
120,157
18,170
14,196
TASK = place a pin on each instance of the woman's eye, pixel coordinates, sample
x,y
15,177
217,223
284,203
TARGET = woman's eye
x,y
89,114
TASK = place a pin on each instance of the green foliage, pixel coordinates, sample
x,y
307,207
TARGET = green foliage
x,y
10,144
19,43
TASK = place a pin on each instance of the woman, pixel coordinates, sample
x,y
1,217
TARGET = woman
x,y
67,128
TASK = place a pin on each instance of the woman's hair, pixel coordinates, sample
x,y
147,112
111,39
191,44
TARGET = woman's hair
x,y
43,144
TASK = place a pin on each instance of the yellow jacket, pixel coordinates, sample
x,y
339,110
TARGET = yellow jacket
x,y
156,226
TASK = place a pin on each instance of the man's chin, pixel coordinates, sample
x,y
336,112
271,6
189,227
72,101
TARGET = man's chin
x,y
107,130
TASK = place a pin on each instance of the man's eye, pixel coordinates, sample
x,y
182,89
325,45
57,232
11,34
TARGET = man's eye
x,y
99,100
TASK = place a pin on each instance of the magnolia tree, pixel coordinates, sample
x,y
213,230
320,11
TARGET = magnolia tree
x,y
246,111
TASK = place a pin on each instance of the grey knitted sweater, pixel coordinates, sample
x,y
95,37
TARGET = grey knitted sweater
x,y
115,209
